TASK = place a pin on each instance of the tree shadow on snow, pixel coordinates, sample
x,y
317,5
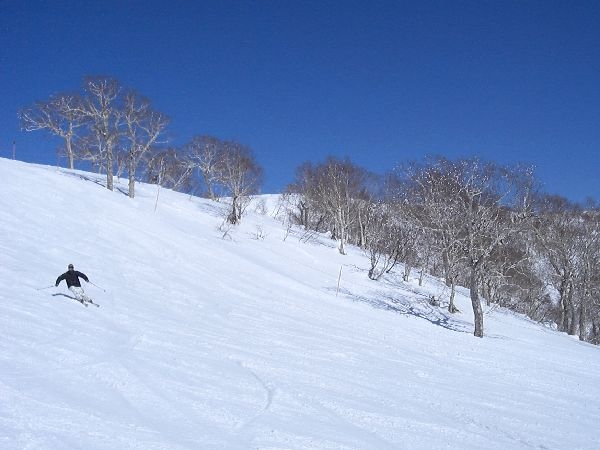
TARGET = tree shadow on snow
x,y
98,180
416,308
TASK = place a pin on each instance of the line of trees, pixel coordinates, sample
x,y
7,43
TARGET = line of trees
x,y
118,131
105,124
474,223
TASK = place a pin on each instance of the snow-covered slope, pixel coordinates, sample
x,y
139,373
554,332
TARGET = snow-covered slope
x,y
207,339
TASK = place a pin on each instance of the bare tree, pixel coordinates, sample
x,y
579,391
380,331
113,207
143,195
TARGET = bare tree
x,y
413,240
556,236
61,115
101,107
495,203
569,243
86,148
381,241
240,175
473,207
310,214
506,270
143,127
168,168
336,192
206,153
429,193
589,278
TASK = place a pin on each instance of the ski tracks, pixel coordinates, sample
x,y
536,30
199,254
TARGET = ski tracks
x,y
244,426
268,389
325,414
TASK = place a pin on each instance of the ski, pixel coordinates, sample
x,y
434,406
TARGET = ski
x,y
83,302
86,303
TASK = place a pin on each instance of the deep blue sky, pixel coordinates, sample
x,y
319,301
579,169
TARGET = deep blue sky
x,y
382,82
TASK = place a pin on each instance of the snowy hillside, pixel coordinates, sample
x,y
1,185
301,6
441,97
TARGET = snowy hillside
x,y
206,341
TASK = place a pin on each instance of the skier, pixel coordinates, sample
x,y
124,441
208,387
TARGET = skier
x,y
72,278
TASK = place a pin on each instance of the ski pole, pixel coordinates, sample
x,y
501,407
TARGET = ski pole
x,y
103,290
42,288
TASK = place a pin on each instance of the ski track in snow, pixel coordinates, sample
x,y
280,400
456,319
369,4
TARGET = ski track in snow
x,y
214,341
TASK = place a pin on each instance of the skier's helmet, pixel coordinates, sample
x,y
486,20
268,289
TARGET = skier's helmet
x,y
70,266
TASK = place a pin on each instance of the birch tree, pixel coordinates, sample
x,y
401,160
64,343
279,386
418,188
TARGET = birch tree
x,y
381,242
61,115
169,168
431,191
142,128
556,239
569,241
473,207
206,153
102,109
587,278
336,192
495,202
240,176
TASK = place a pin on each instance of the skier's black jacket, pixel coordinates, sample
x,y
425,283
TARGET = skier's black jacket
x,y
72,278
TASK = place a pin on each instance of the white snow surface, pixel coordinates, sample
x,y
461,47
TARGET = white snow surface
x,y
241,340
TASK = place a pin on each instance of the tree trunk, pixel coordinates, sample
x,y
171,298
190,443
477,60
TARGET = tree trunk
x,y
305,217
564,318
342,233
342,248
233,215
421,276
489,292
582,321
407,270
131,171
70,153
572,314
583,304
361,234
303,214
451,308
109,170
476,303
446,262
595,338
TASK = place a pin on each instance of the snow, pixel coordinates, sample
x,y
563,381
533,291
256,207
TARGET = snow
x,y
239,339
